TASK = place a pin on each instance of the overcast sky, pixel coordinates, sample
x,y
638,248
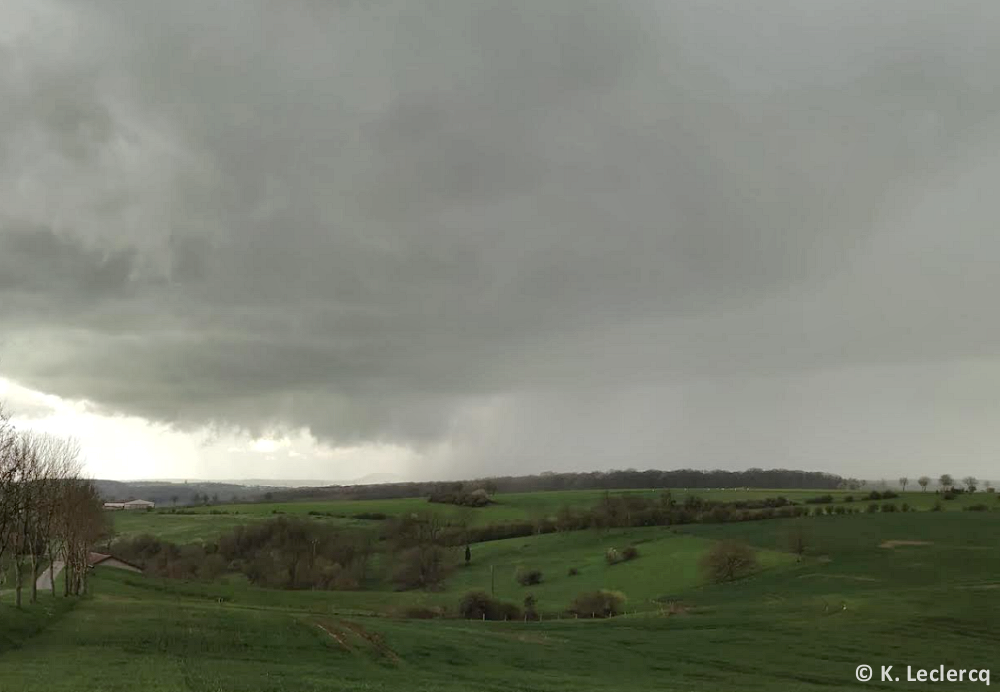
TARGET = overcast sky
x,y
325,239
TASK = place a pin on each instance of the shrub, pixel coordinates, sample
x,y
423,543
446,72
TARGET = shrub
x,y
797,539
905,507
598,604
888,507
479,605
848,498
937,507
728,561
840,509
211,567
874,495
872,508
889,495
612,556
990,489
530,610
630,552
528,577
573,571
423,612
476,498
949,494
977,508
423,567
821,500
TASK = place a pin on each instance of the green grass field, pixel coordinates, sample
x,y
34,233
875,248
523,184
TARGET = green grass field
x,y
199,523
917,588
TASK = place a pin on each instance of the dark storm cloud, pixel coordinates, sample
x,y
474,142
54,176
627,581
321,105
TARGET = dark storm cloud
x,y
530,234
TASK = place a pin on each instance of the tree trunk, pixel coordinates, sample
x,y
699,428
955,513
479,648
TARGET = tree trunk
x,y
18,581
34,578
52,572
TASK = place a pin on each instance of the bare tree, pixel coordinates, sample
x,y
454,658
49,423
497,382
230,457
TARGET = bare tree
x,y
82,522
60,459
903,481
970,483
729,560
946,481
24,461
923,481
797,539
46,511
8,482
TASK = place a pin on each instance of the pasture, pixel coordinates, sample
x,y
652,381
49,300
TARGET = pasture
x,y
208,522
915,588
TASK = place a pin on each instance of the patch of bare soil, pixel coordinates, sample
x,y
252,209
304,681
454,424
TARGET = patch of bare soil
x,y
376,640
896,543
335,636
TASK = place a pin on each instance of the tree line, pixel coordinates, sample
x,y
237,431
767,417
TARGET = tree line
x,y
48,513
596,480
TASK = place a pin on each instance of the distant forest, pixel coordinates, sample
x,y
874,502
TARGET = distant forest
x,y
597,480
196,492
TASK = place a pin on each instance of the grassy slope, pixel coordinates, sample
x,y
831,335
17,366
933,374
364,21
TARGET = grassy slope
x,y
202,525
787,628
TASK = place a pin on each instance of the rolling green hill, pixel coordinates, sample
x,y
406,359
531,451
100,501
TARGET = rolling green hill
x,y
914,588
207,523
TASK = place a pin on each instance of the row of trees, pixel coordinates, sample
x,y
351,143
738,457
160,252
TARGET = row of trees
x,y
47,512
946,482
602,480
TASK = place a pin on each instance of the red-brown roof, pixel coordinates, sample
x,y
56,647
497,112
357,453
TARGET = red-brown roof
x,y
94,559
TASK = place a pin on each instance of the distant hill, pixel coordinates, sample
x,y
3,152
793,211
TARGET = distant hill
x,y
600,480
377,487
181,493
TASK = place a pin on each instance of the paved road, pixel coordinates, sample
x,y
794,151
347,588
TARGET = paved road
x,y
44,582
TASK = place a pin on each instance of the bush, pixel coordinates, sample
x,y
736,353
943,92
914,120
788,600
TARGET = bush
x,y
872,508
977,508
889,495
821,500
530,610
528,577
476,498
421,567
479,605
937,507
629,552
598,604
423,613
848,498
905,507
874,495
888,507
728,561
573,571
